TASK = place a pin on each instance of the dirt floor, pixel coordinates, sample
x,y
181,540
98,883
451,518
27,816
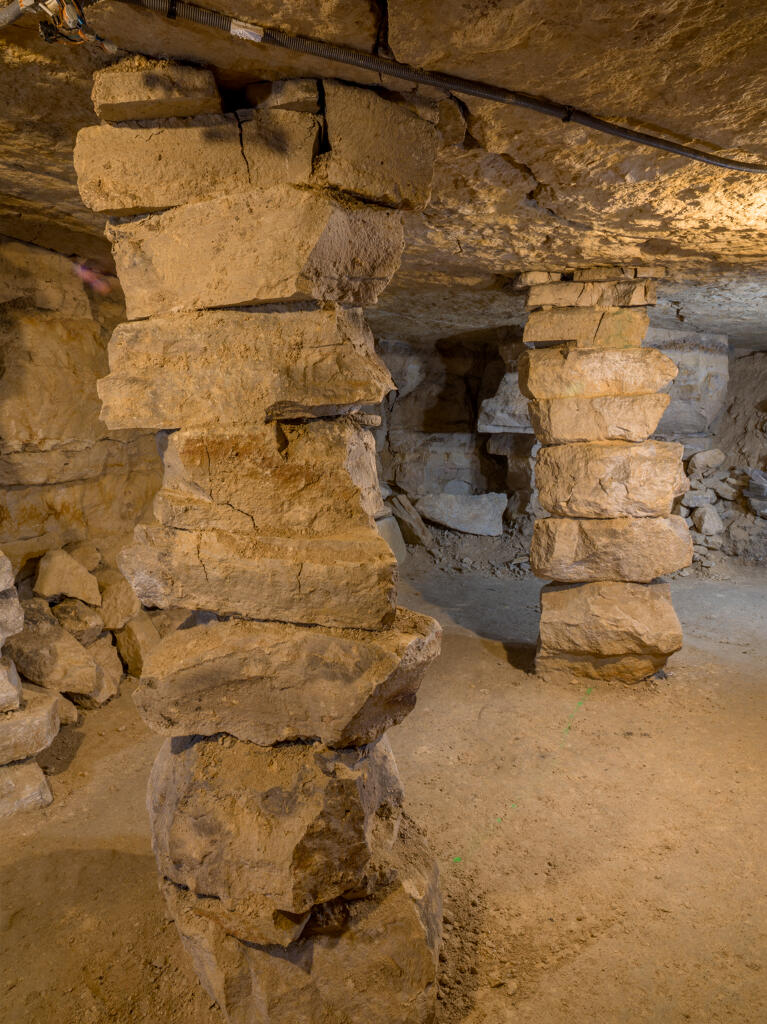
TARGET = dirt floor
x,y
602,848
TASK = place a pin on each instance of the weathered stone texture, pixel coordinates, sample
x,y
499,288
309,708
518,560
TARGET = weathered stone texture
x,y
37,278
587,328
30,728
576,373
129,170
268,682
262,835
634,550
372,960
136,88
136,641
84,623
118,599
594,294
61,575
11,614
607,630
227,367
23,787
10,685
480,514
379,150
609,418
334,582
607,479
277,244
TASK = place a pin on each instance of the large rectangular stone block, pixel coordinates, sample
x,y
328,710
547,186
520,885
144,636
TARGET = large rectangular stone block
x,y
232,367
278,244
345,581
609,418
128,170
138,88
607,630
634,550
587,328
575,373
289,480
268,682
593,293
608,479
397,172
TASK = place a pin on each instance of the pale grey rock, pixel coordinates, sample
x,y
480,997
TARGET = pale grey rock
x,y
706,461
480,514
10,685
23,787
6,573
707,520
11,614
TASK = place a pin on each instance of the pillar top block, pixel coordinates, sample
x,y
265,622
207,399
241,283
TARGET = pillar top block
x,y
138,88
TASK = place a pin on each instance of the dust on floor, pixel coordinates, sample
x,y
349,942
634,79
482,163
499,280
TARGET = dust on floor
x,y
602,849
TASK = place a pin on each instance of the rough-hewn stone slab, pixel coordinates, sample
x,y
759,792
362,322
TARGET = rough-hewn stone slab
x,y
227,367
607,479
136,88
576,373
593,293
269,682
291,479
128,170
634,550
371,960
610,418
30,728
479,514
587,328
607,630
395,172
23,787
278,244
261,835
337,582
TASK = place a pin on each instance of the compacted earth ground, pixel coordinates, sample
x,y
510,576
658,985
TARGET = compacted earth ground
x,y
602,849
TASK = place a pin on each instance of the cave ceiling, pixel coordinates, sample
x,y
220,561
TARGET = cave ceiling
x,y
512,190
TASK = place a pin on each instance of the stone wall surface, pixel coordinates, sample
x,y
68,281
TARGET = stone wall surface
x,y
275,803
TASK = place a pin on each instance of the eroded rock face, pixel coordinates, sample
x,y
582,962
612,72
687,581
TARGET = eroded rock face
x,y
606,479
268,683
609,418
226,367
606,630
633,550
372,959
576,373
262,835
273,245
586,328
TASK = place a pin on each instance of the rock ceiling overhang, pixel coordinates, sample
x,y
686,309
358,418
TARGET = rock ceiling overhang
x,y
519,191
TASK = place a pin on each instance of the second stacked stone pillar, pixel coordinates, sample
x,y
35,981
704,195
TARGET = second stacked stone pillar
x,y
298,888
594,402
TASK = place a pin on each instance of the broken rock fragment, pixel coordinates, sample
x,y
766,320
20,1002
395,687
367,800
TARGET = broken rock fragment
x,y
83,622
136,641
270,682
29,728
480,514
23,787
11,614
118,599
60,574
10,685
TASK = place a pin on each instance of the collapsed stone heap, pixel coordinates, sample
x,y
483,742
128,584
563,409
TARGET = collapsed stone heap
x,y
609,491
245,255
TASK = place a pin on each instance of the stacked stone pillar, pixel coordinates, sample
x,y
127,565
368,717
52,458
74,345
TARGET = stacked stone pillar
x,y
299,889
595,398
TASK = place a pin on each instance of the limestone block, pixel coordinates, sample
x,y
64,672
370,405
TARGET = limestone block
x,y
610,418
138,88
41,279
699,392
389,529
118,599
335,582
587,328
634,550
227,367
593,293
49,656
86,461
10,685
290,94
379,150
506,411
104,653
707,520
11,614
706,461
23,787
291,479
576,373
278,244
414,529
607,630
531,277
7,575
68,712
268,682
480,514
427,463
123,171
371,960
262,835
607,479
47,384
59,573
84,623
136,641
30,728
86,553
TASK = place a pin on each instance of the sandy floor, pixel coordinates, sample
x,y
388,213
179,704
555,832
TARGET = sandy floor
x,y
603,850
